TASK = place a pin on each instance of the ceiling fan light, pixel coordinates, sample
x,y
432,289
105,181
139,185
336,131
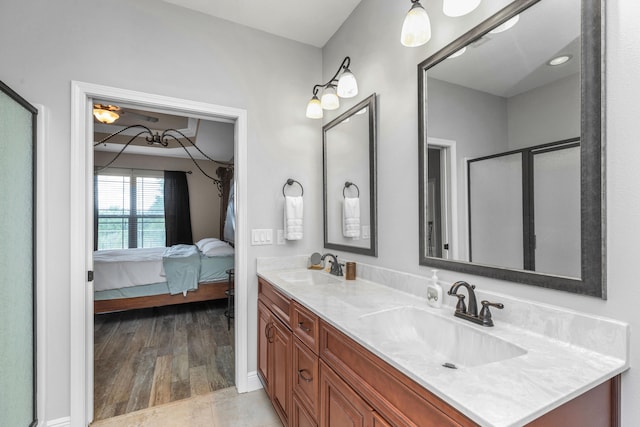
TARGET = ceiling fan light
x,y
416,29
455,8
314,109
347,85
104,115
329,100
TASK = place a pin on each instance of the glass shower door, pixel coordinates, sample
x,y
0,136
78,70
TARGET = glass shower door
x,y
17,260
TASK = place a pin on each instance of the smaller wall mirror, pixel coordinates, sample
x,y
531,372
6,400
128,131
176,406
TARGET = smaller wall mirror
x,y
349,159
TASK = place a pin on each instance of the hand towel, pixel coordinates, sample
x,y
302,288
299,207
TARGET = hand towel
x,y
351,217
293,215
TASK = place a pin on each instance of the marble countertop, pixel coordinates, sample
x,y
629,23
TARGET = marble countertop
x,y
509,392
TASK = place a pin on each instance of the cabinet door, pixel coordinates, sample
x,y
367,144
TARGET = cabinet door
x,y
340,405
265,332
280,373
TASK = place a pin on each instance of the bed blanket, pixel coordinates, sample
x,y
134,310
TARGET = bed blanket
x,y
182,268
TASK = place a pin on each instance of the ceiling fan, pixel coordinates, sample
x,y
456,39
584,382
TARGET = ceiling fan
x,y
108,113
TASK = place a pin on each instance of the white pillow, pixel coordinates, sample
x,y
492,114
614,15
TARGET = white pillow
x,y
202,242
218,248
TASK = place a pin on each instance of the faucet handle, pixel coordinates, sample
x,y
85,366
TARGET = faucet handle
x,y
485,313
461,306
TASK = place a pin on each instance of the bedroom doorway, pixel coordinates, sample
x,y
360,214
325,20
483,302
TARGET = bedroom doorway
x,y
82,208
162,183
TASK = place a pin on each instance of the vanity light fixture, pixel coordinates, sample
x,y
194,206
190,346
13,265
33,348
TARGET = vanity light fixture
x,y
455,8
559,60
344,86
506,25
106,113
457,53
416,29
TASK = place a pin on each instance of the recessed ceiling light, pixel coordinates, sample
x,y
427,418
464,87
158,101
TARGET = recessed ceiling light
x,y
458,53
506,25
559,60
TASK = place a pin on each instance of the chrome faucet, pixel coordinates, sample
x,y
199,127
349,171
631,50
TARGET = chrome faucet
x,y
336,267
471,313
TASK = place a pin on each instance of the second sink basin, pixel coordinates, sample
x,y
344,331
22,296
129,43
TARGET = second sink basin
x,y
421,332
309,277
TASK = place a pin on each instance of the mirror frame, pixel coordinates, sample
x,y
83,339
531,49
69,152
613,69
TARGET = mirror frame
x,y
372,250
593,256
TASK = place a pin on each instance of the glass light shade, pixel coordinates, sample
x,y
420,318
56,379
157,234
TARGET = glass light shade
x,y
505,26
416,29
458,53
105,116
314,109
347,85
329,100
454,8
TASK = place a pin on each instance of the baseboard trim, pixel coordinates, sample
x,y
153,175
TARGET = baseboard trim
x,y
60,422
253,382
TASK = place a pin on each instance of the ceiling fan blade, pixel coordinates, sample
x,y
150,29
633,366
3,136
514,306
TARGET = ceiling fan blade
x,y
142,116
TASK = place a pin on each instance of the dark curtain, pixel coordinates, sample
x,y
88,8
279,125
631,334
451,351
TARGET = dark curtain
x,y
177,215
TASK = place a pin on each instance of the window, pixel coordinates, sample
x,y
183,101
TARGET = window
x,y
129,207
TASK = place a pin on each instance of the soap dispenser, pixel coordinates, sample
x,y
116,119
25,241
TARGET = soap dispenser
x,y
434,291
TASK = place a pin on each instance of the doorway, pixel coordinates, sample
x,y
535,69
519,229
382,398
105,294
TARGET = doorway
x,y
442,211
152,344
82,233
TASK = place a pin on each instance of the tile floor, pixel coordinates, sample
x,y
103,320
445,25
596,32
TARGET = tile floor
x,y
222,408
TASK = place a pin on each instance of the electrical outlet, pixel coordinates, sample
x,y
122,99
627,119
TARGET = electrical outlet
x,y
280,237
366,232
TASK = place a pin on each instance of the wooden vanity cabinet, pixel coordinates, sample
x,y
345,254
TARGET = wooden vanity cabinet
x,y
274,348
316,376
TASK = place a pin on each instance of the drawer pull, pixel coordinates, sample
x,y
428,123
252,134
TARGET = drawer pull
x,y
304,328
308,378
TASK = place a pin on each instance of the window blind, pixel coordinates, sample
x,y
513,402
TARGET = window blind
x,y
130,209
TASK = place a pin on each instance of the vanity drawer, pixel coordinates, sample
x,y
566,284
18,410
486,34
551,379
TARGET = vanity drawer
x,y
305,325
305,372
275,301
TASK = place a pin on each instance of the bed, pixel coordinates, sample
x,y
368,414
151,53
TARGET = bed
x,y
126,279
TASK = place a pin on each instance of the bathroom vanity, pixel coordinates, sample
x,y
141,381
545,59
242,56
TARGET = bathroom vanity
x,y
358,353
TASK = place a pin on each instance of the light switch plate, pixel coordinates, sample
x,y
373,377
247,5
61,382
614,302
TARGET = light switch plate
x,y
261,237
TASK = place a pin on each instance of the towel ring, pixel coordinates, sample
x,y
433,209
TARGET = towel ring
x,y
347,185
290,182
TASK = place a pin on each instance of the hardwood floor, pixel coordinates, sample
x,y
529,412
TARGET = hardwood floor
x,y
149,357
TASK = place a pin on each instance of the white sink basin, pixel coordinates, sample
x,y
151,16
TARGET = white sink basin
x,y
309,277
443,340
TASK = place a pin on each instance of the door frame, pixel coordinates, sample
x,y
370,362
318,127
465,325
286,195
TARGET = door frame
x,y
449,193
81,233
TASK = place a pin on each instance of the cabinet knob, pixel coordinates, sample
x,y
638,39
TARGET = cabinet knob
x,y
304,328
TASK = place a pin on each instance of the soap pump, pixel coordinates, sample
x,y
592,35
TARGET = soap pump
x,y
434,291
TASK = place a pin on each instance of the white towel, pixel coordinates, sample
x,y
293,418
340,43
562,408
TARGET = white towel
x,y
351,217
293,214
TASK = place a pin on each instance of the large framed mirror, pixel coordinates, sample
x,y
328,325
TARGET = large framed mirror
x,y
349,159
511,148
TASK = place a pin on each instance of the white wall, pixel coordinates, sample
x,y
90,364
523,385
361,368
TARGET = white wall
x,y
381,64
159,48
545,114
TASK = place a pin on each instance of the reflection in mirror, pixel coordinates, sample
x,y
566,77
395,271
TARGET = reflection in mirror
x,y
349,147
510,148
